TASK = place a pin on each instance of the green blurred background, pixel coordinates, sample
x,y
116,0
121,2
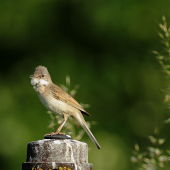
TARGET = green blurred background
x,y
106,48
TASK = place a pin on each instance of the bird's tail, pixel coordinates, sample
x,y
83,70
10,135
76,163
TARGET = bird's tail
x,y
86,128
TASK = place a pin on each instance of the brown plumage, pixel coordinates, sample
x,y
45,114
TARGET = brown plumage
x,y
58,101
60,94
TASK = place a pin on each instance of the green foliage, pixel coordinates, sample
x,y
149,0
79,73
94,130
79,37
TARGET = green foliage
x,y
105,46
155,157
163,57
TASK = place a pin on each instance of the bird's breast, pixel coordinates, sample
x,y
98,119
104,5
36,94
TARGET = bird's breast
x,y
56,106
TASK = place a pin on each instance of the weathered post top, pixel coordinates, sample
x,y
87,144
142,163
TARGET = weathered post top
x,y
57,154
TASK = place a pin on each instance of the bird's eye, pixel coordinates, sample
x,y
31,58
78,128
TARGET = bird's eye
x,y
42,76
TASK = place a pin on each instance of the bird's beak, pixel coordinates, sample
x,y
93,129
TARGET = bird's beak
x,y
32,76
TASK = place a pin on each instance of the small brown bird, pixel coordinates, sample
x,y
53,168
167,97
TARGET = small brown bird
x,y
58,101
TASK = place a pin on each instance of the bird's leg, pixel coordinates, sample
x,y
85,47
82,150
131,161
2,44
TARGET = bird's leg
x,y
61,125
59,128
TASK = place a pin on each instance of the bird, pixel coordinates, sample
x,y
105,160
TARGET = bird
x,y
59,101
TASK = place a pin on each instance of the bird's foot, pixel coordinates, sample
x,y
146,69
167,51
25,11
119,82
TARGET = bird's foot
x,y
54,133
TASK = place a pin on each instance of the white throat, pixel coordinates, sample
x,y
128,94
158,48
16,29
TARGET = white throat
x,y
43,82
39,82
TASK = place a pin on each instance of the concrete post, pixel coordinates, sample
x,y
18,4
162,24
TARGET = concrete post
x,y
57,154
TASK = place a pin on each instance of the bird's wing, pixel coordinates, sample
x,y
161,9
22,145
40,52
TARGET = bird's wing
x,y
61,95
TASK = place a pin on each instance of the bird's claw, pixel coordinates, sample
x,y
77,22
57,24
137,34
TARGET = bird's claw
x,y
54,133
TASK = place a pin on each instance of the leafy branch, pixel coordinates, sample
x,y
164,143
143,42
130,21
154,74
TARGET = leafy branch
x,y
154,157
